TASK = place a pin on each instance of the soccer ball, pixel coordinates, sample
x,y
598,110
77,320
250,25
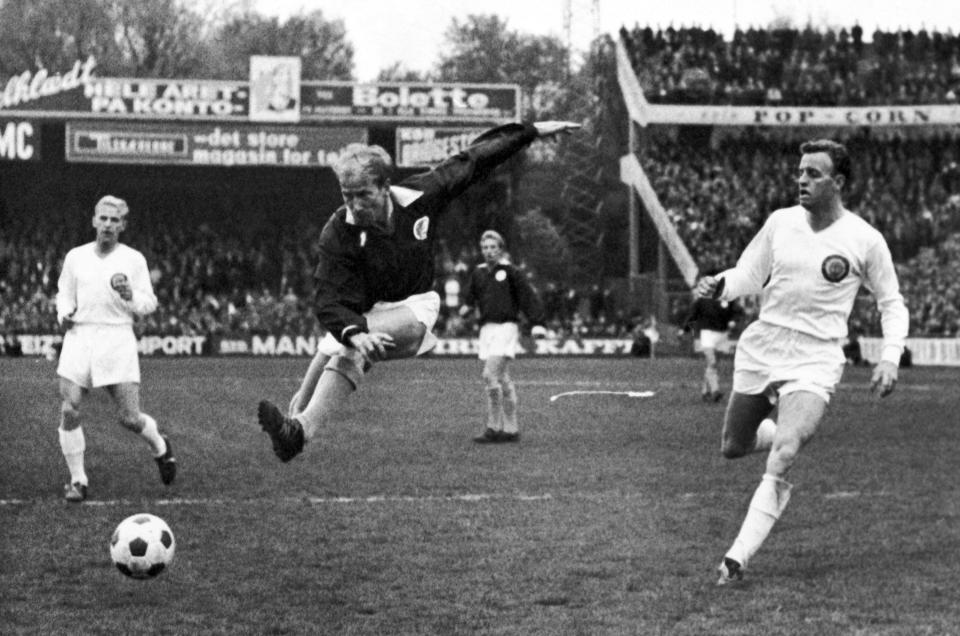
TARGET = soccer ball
x,y
142,546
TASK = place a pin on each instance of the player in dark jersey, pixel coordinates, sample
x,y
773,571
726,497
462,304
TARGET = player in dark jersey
x,y
375,275
711,319
500,293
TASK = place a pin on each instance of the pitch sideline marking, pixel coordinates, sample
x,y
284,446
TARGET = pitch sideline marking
x,y
856,387
466,497
389,499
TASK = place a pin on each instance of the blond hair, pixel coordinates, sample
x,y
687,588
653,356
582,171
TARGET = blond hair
x,y
493,234
112,202
372,161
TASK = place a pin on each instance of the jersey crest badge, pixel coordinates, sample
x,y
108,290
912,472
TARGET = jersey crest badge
x,y
118,280
501,275
835,268
420,228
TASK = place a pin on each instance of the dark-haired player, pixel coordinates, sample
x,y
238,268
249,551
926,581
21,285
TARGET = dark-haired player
x,y
711,320
808,263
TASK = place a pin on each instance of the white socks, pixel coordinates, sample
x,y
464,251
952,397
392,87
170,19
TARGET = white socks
x,y
711,379
495,408
767,504
73,444
509,408
151,433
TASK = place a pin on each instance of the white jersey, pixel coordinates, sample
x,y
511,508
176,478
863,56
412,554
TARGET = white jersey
x,y
809,280
84,292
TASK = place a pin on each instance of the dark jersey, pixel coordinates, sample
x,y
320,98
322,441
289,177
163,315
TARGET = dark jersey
x,y
714,315
360,266
500,293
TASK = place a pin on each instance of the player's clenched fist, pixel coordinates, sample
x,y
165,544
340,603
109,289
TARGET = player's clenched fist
x,y
707,287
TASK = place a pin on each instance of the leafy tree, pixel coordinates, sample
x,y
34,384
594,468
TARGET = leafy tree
x,y
483,49
398,72
159,38
128,38
165,38
565,184
321,44
544,250
53,34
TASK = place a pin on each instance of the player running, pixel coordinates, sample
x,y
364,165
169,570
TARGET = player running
x,y
808,263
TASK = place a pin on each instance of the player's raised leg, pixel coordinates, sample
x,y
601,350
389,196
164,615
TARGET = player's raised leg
x,y
72,442
340,377
308,384
343,372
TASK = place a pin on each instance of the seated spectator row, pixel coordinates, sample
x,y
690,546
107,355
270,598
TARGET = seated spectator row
x,y
789,66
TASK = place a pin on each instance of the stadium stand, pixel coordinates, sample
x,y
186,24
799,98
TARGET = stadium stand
x,y
789,66
214,274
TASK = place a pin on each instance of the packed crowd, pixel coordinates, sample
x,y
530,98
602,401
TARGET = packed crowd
x,y
718,194
211,281
790,66
930,282
907,187
207,281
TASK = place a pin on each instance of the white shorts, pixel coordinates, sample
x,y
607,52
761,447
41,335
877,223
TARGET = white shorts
x,y
425,306
500,339
709,339
777,360
99,355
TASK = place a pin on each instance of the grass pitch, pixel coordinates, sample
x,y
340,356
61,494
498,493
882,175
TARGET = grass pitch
x,y
609,516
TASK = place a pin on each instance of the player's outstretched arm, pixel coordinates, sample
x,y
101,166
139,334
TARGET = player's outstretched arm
x,y
550,128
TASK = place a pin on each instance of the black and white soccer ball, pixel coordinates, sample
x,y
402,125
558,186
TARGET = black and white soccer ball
x,y
142,546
